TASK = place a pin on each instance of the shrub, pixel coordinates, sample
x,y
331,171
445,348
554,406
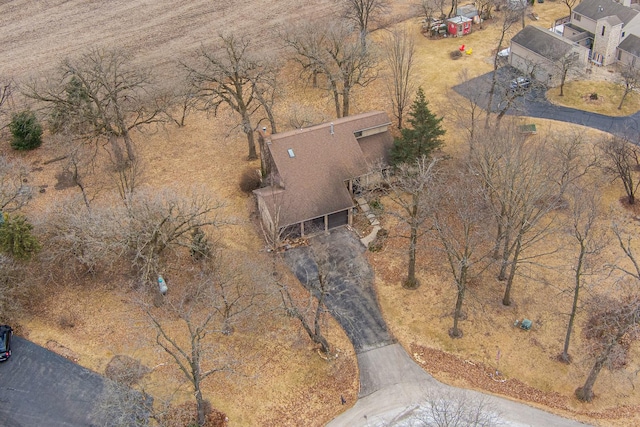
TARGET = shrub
x,y
249,181
456,54
26,131
16,238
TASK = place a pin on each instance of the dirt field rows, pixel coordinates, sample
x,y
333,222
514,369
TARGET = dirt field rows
x,y
294,387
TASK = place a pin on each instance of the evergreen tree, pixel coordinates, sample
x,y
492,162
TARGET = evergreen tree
x,y
26,131
422,137
16,238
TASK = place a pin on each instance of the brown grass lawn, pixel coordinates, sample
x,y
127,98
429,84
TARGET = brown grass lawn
x,y
577,94
282,381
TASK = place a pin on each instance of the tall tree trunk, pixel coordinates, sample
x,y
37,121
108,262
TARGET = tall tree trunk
x,y
585,393
248,130
128,144
624,95
574,306
411,273
506,252
512,274
462,287
116,151
346,94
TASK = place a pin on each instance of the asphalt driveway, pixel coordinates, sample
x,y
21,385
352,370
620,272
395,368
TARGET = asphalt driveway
x,y
41,388
394,390
535,104
352,299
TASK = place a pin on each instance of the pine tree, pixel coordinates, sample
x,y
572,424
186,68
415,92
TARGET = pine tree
x,y
16,237
422,137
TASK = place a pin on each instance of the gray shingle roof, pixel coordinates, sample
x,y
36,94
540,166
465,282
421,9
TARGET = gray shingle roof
x,y
631,44
543,42
598,9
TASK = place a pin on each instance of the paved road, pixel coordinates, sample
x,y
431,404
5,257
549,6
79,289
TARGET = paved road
x,y
393,388
41,388
535,104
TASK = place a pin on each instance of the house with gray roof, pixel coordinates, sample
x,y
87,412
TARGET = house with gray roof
x,y
311,173
543,54
601,25
629,51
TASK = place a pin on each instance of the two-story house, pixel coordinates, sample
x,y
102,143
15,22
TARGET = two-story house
x,y
601,25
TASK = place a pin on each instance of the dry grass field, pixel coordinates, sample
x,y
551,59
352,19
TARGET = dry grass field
x,y
284,382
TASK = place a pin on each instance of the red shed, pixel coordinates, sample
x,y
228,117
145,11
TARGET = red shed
x,y
458,26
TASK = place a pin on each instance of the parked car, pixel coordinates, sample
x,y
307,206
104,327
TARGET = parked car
x,y
520,83
5,342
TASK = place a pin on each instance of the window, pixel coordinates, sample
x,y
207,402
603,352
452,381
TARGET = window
x,y
291,154
622,34
602,33
576,17
619,54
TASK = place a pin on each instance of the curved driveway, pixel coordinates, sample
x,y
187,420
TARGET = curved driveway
x,y
393,388
535,104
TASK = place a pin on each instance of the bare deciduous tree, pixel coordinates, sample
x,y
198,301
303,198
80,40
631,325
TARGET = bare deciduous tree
x,y
410,190
520,186
101,95
231,74
399,49
6,91
122,406
570,4
365,14
510,17
621,162
238,287
196,356
308,308
334,52
470,111
14,193
452,408
589,242
565,65
459,222
156,222
631,77
614,324
14,289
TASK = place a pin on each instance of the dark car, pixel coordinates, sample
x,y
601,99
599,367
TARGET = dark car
x,y
5,342
520,83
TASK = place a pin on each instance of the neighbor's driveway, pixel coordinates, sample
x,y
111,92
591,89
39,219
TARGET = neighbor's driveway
x,y
535,104
392,385
41,388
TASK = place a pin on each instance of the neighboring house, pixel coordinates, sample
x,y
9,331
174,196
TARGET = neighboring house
x,y
311,173
601,25
629,51
543,54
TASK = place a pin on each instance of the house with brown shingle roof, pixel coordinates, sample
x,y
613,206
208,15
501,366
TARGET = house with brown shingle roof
x,y
311,173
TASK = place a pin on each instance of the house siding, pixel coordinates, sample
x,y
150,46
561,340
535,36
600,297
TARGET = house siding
x,y
605,46
628,59
540,68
